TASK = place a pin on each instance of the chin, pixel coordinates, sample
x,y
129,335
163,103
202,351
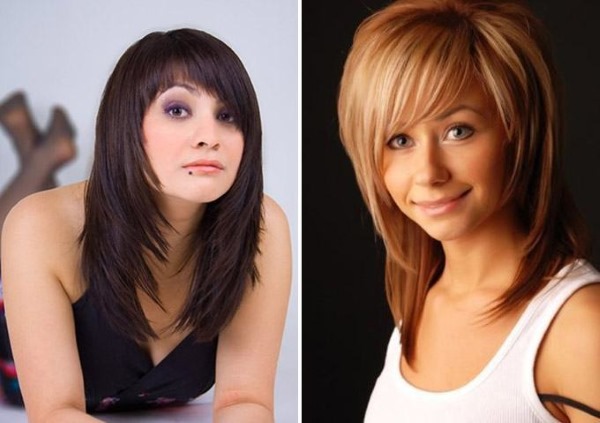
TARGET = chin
x,y
445,231
195,196
203,198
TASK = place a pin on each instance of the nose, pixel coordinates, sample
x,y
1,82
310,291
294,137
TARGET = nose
x,y
431,167
206,134
204,144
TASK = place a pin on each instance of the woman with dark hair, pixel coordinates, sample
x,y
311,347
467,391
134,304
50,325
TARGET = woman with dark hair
x,y
450,114
168,270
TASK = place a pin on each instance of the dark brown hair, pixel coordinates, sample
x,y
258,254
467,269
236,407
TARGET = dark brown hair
x,y
430,50
122,220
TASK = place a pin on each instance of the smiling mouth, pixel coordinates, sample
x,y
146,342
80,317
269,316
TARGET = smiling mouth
x,y
441,206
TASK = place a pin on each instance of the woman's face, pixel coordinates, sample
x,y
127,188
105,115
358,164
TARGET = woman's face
x,y
447,173
193,143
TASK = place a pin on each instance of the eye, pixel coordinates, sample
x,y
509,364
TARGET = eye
x,y
459,132
225,116
177,111
398,142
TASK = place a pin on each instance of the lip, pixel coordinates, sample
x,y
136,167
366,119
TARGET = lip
x,y
442,205
204,166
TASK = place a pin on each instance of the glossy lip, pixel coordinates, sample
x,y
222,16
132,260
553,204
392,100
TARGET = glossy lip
x,y
204,166
442,205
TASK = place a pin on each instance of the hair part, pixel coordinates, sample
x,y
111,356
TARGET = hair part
x,y
409,62
123,223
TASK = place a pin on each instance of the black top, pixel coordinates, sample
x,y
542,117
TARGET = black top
x,y
119,375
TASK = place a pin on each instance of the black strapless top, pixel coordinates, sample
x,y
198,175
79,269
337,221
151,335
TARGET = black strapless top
x,y
119,375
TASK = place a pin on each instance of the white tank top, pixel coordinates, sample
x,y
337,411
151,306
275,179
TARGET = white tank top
x,y
504,391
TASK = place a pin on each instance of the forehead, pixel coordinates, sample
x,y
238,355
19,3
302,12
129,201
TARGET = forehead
x,y
175,77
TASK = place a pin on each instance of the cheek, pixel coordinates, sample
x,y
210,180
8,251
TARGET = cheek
x,y
236,150
397,184
161,146
491,171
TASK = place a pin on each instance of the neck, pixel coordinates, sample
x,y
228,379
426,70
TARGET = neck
x,y
184,218
486,260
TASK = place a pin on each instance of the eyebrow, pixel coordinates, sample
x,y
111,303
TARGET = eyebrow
x,y
457,109
191,88
188,87
194,90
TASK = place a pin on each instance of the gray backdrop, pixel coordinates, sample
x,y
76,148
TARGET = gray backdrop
x,y
62,52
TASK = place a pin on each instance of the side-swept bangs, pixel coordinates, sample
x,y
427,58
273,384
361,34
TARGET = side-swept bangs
x,y
399,72
195,57
155,63
409,62
123,223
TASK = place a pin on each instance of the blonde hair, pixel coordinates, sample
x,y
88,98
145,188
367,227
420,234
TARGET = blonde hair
x,y
410,61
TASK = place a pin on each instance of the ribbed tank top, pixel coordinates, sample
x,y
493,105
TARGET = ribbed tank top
x,y
504,391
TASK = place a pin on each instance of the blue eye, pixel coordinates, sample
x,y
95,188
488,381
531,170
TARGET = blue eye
x,y
177,111
398,142
460,132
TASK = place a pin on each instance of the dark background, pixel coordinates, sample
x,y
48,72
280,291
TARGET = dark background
x,y
345,319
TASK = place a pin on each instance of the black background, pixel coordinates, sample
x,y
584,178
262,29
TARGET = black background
x,y
345,319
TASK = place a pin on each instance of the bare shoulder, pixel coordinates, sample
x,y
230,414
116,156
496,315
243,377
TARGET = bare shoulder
x,y
274,216
42,230
53,210
276,231
275,244
569,355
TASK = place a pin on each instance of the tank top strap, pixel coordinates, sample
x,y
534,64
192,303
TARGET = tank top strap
x,y
546,305
541,313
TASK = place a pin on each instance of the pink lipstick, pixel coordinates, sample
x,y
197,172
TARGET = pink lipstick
x,y
441,206
205,167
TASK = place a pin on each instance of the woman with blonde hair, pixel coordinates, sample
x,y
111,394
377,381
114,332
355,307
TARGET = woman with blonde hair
x,y
450,113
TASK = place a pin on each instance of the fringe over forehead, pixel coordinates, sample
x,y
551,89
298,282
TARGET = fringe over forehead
x,y
411,61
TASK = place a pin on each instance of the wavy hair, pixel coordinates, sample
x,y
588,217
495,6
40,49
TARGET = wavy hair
x,y
122,220
411,60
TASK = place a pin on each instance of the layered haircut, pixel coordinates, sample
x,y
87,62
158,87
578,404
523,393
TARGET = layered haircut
x,y
123,224
409,62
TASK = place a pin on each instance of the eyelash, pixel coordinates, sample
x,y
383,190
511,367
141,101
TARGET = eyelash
x,y
469,129
223,116
171,108
226,116
392,142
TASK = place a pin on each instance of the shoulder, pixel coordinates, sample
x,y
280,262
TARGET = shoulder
x,y
576,326
47,212
41,234
273,214
569,355
275,242
275,222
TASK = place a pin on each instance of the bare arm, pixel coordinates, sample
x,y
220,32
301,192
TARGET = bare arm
x,y
249,347
39,313
570,358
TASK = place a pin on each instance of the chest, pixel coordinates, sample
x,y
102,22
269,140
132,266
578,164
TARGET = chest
x,y
454,344
163,319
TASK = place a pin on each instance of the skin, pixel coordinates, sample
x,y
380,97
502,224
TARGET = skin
x,y
41,283
38,161
458,158
178,120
